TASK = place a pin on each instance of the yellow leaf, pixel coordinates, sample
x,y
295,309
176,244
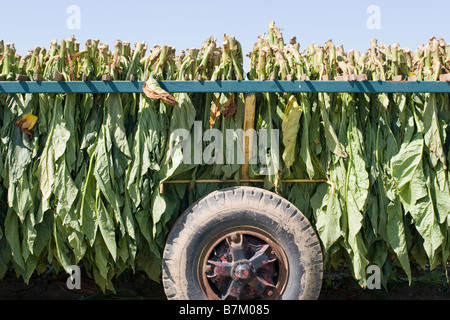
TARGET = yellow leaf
x,y
30,121
27,123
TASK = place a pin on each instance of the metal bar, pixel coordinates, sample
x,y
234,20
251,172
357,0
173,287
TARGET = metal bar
x,y
228,86
246,182
72,87
309,86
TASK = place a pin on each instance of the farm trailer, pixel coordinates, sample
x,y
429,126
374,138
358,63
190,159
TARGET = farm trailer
x,y
243,241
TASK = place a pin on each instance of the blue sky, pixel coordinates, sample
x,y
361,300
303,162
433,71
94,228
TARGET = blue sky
x,y
186,24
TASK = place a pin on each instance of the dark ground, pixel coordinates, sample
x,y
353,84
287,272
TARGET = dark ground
x,y
337,285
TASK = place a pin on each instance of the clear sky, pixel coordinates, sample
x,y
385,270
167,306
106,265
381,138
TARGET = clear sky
x,y
186,24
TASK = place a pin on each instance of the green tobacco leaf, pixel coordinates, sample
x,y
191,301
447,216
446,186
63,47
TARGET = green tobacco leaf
x,y
409,176
104,170
103,270
146,142
433,134
29,235
290,128
230,126
163,208
107,229
405,164
59,139
12,234
44,231
357,190
331,138
389,199
63,253
396,234
65,191
439,187
183,117
46,172
77,243
89,223
149,262
305,149
328,213
18,165
71,147
115,123
18,156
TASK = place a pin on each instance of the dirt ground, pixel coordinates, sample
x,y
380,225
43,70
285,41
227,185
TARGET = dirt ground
x,y
337,285
425,285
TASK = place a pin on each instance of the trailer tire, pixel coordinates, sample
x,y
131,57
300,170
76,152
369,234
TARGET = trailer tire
x,y
242,243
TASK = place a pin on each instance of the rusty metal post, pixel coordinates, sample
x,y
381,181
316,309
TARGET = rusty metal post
x,y
249,124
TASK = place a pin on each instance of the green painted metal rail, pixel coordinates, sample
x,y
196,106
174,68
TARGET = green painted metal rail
x,y
228,86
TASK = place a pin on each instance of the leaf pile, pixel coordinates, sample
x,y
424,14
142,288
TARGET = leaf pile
x,y
80,175
386,153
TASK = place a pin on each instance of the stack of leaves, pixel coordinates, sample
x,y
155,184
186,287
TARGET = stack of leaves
x,y
80,175
213,112
386,153
65,174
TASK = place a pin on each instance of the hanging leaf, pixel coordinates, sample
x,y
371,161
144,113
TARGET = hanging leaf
x,y
153,90
27,123
290,128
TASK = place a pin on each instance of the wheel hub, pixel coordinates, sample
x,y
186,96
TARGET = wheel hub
x,y
243,271
244,265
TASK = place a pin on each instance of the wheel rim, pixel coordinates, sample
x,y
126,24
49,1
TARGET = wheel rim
x,y
244,263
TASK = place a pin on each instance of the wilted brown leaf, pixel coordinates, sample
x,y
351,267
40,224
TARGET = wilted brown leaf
x,y
229,109
27,123
153,91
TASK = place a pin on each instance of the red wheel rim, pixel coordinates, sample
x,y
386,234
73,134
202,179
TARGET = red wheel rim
x,y
243,263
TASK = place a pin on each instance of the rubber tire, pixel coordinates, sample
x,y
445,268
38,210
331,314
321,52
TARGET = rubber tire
x,y
242,206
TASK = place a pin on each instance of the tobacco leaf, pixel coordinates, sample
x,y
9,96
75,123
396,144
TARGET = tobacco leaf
x,y
229,108
153,90
290,128
27,123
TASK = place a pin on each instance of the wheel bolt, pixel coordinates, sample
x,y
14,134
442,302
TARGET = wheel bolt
x,y
208,269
